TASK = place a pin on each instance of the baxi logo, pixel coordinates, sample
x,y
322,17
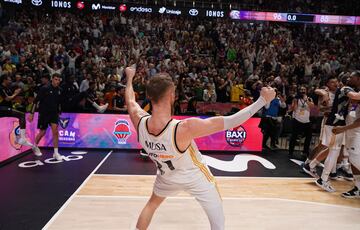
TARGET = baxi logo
x,y
193,12
236,136
36,2
122,131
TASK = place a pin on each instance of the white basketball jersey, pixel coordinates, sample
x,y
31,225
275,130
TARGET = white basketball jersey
x,y
353,115
171,164
302,112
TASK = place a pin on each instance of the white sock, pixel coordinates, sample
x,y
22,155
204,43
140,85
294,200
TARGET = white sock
x,y
56,150
345,161
23,133
329,163
333,170
314,163
357,180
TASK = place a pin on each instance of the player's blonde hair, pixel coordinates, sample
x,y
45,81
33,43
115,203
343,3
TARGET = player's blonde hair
x,y
157,86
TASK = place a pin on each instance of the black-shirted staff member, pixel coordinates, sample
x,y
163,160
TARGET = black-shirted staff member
x,y
48,102
6,110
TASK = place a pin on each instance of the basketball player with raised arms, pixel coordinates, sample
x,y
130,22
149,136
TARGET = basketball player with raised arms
x,y
169,143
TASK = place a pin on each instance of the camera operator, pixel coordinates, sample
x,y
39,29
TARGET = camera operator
x,y
301,106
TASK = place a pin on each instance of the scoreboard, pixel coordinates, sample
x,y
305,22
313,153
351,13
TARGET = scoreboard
x,y
294,17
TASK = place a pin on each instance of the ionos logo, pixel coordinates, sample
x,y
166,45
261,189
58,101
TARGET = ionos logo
x,y
141,9
36,2
96,6
163,10
193,12
14,1
61,4
215,13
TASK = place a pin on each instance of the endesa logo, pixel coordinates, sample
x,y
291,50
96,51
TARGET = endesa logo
x,y
61,4
164,10
14,1
140,9
215,13
36,2
193,12
236,136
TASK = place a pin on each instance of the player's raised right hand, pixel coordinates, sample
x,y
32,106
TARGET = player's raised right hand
x,y
130,73
268,94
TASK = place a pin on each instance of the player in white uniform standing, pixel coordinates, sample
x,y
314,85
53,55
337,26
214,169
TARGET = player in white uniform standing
x,y
352,138
169,143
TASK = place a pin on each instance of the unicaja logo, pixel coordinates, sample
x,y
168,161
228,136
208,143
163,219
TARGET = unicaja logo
x,y
36,2
14,1
162,10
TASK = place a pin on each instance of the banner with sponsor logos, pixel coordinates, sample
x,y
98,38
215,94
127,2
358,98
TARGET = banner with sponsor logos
x,y
116,131
115,7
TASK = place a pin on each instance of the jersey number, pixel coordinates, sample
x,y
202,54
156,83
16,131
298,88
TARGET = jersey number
x,y
168,163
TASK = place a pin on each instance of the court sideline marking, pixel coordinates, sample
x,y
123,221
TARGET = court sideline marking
x,y
53,218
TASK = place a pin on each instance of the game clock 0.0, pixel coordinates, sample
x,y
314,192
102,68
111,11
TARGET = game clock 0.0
x,y
300,18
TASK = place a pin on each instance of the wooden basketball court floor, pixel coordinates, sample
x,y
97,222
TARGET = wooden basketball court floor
x,y
114,201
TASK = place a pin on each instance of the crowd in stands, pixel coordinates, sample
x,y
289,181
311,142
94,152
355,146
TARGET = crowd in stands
x,y
212,61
